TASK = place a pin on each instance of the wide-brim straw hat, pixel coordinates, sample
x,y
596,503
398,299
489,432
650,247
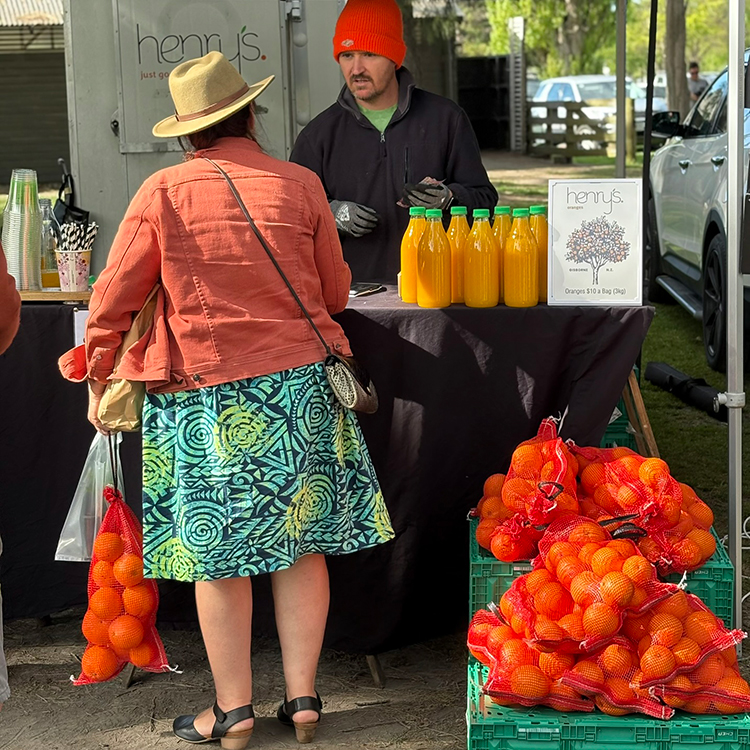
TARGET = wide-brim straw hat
x,y
205,91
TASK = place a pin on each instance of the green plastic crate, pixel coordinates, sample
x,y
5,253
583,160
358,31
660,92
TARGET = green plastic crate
x,y
491,727
489,578
713,584
618,435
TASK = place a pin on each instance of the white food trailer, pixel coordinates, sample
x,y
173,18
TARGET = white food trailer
x,y
118,58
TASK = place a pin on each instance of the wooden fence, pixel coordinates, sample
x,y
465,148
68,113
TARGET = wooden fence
x,y
563,129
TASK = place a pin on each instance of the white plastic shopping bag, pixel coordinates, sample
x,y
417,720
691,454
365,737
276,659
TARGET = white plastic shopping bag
x,y
89,506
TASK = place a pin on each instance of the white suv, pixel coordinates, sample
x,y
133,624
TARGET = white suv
x,y
685,253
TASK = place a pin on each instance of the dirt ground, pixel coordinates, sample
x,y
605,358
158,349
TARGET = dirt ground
x,y
421,707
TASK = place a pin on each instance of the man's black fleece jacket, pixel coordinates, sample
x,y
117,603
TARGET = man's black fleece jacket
x,y
428,136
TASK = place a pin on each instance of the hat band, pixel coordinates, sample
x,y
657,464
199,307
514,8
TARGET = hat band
x,y
214,107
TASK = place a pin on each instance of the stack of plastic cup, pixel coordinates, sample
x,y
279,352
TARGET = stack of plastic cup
x,y
22,230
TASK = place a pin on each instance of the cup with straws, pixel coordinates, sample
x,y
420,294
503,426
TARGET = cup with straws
x,y
74,256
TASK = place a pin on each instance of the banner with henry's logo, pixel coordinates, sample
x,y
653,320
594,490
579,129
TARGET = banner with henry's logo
x,y
595,242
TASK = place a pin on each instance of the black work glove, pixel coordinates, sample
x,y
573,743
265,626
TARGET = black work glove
x,y
353,219
427,194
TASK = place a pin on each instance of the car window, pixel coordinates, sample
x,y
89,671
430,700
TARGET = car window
x,y
539,95
597,90
635,91
567,93
556,93
701,119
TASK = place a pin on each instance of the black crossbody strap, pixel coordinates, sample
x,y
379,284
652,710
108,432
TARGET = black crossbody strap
x,y
270,253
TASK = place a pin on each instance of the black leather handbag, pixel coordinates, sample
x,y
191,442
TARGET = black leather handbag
x,y
350,381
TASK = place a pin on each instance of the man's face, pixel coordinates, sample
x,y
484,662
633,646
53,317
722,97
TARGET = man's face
x,y
367,75
694,72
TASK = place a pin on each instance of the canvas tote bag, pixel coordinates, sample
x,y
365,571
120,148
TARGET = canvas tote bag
x,y
122,403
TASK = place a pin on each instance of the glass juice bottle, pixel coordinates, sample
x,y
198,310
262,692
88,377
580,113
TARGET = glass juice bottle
x,y
538,223
501,230
434,263
51,241
481,263
409,246
458,231
521,263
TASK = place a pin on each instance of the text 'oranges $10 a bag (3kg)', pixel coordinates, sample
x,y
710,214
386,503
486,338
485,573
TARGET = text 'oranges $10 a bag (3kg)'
x,y
120,622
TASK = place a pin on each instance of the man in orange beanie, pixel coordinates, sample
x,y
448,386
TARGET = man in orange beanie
x,y
386,145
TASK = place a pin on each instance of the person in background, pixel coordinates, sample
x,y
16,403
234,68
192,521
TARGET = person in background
x,y
696,84
386,145
250,463
10,315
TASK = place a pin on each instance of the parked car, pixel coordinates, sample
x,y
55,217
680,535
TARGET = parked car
x,y
685,254
587,88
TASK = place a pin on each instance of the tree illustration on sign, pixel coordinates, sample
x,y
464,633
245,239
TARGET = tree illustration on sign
x,y
597,242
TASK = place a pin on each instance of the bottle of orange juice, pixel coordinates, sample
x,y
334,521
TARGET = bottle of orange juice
x,y
481,263
501,230
409,246
521,263
458,231
434,263
501,224
538,223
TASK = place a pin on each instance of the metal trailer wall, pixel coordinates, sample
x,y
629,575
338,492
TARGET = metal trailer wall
x,y
118,57
34,120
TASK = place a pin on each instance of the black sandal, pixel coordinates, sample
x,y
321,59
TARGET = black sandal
x,y
183,727
305,731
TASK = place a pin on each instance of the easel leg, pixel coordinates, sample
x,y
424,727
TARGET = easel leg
x,y
376,670
129,675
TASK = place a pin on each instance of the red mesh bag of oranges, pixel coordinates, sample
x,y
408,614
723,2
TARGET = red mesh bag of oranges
x,y
618,481
677,636
584,584
520,675
120,622
539,487
541,481
715,687
612,677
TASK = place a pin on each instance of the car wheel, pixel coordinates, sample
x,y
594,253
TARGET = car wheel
x,y
651,256
714,304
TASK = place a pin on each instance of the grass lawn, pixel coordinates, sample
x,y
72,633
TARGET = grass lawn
x,y
692,443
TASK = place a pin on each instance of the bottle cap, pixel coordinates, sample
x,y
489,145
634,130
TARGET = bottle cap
x,y
520,212
45,202
416,211
538,210
434,213
481,213
500,210
458,211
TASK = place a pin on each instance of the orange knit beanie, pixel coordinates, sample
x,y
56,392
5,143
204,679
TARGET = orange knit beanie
x,y
371,26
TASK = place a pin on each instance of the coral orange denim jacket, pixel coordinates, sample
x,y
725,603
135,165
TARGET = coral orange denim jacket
x,y
223,311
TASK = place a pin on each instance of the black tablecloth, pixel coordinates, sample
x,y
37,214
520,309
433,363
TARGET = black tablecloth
x,y
459,388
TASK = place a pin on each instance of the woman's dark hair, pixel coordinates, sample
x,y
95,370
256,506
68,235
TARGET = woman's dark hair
x,y
238,125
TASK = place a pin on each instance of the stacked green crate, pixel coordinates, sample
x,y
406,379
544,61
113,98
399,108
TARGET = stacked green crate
x,y
492,727
489,578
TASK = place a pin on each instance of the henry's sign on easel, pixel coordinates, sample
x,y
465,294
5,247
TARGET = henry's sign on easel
x,y
595,242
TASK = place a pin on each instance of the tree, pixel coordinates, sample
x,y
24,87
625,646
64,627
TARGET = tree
x,y
597,242
678,96
563,37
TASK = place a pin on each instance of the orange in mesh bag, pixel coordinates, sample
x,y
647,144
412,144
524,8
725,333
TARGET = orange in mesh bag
x,y
519,675
541,481
120,622
616,481
585,583
677,636
612,676
715,687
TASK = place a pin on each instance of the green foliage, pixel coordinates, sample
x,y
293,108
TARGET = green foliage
x,y
556,44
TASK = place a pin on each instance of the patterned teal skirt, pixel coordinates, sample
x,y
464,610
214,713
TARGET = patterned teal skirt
x,y
247,477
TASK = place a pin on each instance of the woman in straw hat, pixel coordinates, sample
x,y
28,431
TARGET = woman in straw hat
x,y
250,464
